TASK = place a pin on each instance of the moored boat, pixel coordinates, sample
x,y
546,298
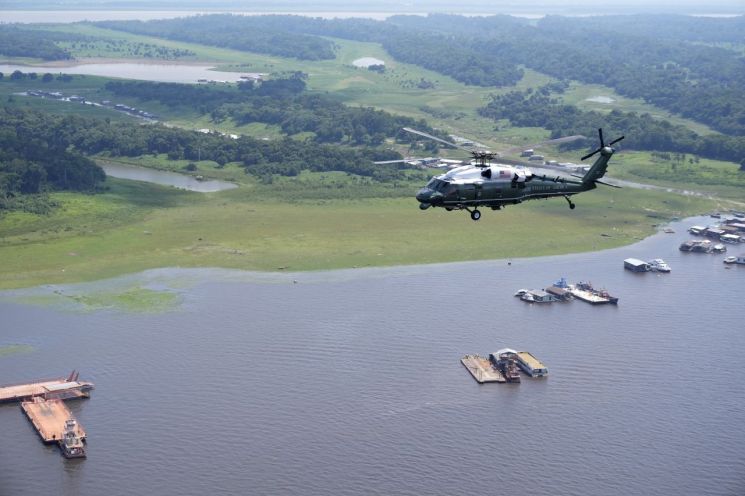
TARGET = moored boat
x,y
505,360
658,265
585,292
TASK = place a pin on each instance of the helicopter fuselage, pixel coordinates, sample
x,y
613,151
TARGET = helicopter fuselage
x,y
494,186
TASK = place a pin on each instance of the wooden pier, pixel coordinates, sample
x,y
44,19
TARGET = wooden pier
x,y
49,417
481,369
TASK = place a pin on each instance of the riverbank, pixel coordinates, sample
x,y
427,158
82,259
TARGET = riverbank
x,y
137,226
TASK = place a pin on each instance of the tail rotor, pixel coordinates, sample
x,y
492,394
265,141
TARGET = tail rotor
x,y
602,144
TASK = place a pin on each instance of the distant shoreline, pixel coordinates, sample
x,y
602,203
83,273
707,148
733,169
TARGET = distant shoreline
x,y
71,15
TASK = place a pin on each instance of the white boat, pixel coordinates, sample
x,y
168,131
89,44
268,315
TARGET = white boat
x,y
527,297
521,292
730,260
658,265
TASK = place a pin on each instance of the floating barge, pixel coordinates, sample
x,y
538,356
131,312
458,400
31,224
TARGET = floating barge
x,y
531,365
66,388
481,369
43,404
585,292
54,422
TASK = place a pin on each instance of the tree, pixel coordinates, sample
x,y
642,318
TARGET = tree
x,y
46,78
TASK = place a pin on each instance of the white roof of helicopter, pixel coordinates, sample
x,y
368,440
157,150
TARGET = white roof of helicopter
x,y
470,173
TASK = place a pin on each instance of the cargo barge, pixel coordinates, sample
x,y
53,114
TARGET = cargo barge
x,y
481,369
531,365
64,388
585,292
56,425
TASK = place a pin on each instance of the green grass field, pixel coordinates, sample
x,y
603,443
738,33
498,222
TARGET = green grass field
x,y
136,226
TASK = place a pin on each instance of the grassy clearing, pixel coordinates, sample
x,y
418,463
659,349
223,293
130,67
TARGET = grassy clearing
x,y
136,227
578,94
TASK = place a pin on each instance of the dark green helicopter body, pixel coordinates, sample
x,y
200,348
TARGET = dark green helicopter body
x,y
495,185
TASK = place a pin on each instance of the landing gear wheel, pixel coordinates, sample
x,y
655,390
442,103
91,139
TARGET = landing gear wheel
x,y
475,215
571,205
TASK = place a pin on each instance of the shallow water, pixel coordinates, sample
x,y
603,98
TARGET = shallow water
x,y
349,382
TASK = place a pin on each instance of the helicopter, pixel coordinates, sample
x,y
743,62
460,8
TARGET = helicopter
x,y
483,184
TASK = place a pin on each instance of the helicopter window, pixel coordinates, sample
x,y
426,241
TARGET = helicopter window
x,y
438,185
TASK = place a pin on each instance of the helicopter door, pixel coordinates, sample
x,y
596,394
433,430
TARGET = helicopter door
x,y
479,190
467,192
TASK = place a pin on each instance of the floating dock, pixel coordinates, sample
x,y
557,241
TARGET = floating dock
x,y
49,417
481,369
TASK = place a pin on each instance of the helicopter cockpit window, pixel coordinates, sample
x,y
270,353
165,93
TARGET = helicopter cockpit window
x,y
438,185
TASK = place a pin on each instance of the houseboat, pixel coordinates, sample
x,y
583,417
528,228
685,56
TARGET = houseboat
x,y
636,265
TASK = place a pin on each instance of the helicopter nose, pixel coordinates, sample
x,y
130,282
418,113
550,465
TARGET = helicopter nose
x,y
423,195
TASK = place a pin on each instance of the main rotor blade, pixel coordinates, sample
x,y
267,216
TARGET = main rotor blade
x,y
565,139
600,132
421,133
590,154
616,141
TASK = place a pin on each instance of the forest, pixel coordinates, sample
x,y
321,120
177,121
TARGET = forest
x,y
248,33
42,152
16,41
674,71
643,132
282,102
35,158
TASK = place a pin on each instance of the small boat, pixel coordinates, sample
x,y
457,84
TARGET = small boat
x,y
521,292
669,230
658,265
719,248
527,297
730,260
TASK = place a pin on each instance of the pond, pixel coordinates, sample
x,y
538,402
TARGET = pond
x,y
366,62
181,181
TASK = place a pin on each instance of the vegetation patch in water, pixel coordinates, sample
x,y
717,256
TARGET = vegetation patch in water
x,y
136,300
12,349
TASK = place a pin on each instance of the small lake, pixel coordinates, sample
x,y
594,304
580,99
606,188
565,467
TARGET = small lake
x,y
181,181
367,62
165,73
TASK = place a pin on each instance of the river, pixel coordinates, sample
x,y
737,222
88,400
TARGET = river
x,y
349,382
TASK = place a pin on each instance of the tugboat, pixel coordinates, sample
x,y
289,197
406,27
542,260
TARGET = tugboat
x,y
71,444
505,360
